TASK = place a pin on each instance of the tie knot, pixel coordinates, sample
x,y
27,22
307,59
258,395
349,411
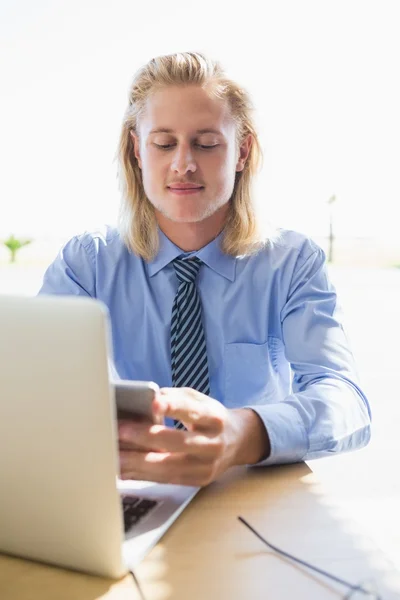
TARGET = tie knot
x,y
186,269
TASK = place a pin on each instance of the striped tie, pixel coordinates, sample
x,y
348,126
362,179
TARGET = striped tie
x,y
188,345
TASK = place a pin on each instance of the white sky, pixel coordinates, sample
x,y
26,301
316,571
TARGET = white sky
x,y
324,77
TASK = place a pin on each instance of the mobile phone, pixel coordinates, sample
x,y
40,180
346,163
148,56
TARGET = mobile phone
x,y
135,398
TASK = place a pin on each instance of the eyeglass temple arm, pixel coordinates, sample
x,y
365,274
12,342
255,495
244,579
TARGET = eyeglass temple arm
x,y
306,564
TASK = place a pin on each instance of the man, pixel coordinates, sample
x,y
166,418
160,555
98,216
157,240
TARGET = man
x,y
242,332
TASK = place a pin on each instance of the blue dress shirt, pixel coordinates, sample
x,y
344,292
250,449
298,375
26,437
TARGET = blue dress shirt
x,y
275,341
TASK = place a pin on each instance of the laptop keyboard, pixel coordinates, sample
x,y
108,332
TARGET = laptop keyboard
x,y
135,508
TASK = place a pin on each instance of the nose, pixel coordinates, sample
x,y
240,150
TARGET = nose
x,y
183,160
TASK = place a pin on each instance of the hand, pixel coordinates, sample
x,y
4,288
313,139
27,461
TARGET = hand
x,y
216,439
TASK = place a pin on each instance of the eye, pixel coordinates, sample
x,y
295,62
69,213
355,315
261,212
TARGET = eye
x,y
163,146
168,146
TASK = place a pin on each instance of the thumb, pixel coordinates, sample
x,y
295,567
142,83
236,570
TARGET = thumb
x,y
191,407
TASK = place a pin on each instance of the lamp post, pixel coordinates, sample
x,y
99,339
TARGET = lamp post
x,y
331,203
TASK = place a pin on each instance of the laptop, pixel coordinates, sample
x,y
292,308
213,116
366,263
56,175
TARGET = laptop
x,y
61,501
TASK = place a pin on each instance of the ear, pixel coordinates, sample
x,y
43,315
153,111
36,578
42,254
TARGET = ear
x,y
136,146
244,151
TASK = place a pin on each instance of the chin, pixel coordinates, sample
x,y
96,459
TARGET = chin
x,y
186,218
186,212
186,215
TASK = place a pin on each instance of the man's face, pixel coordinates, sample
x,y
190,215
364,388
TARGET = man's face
x,y
188,153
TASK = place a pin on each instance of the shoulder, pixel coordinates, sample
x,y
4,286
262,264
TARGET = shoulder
x,y
285,245
104,240
285,259
103,236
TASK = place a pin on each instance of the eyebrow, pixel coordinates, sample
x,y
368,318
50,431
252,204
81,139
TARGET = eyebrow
x,y
199,131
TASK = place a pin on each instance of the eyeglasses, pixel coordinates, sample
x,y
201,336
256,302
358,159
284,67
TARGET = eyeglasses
x,y
360,591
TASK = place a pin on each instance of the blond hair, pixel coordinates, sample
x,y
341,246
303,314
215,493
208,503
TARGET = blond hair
x,y
136,221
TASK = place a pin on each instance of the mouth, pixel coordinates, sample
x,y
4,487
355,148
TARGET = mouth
x,y
185,190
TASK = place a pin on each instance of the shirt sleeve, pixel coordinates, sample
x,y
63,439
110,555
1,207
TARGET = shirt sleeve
x,y
326,412
72,272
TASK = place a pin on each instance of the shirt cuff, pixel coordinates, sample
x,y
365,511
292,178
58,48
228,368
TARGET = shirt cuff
x,y
287,435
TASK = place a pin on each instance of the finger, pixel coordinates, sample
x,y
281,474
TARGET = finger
x,y
204,446
165,467
126,425
131,446
160,438
128,416
191,407
139,435
133,435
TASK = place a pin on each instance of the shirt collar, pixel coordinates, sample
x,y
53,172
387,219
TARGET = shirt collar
x,y
211,255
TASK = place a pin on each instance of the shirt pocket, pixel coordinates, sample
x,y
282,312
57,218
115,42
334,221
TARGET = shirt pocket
x,y
251,374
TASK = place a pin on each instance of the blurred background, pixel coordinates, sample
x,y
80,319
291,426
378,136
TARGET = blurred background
x,y
323,76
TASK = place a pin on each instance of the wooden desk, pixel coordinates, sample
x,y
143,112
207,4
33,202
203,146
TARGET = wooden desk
x,y
208,554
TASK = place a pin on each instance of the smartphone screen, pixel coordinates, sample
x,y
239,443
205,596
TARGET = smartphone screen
x,y
134,399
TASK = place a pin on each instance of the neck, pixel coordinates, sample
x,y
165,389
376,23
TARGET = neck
x,y
192,236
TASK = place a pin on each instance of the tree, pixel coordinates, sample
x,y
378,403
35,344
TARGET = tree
x,y
331,203
14,244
